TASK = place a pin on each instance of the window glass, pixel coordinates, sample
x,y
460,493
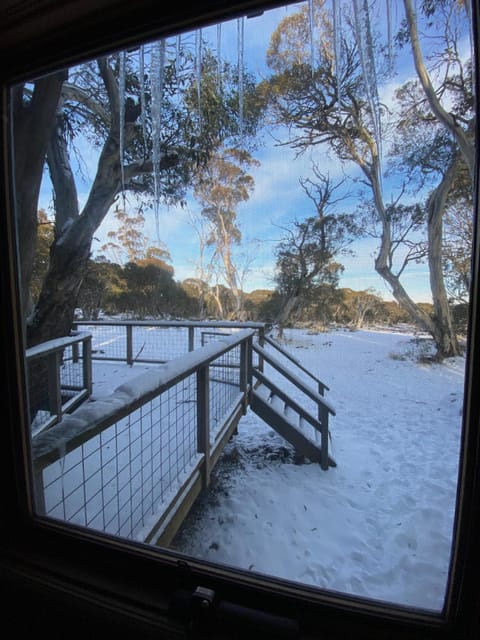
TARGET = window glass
x,y
245,271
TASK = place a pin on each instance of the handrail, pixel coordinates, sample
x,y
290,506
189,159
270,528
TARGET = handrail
x,y
234,324
288,355
94,417
45,348
298,382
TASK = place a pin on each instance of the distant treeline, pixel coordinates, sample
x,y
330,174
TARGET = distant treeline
x,y
148,289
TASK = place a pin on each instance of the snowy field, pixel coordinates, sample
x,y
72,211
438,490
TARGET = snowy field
x,y
379,525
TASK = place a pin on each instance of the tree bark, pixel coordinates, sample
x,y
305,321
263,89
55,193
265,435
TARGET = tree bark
x,y
70,251
33,123
445,338
446,118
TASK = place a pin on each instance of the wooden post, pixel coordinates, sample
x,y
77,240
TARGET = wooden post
x,y
129,329
245,367
87,364
38,492
54,361
191,338
261,342
323,419
203,421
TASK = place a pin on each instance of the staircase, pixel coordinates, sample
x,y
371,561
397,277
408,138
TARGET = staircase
x,y
307,431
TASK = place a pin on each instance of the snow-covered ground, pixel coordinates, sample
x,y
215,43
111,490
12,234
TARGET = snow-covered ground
x,y
379,525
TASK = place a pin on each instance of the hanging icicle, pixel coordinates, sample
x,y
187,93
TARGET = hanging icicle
x,y
156,80
337,45
143,102
178,49
121,98
311,23
363,34
198,73
219,57
389,36
240,49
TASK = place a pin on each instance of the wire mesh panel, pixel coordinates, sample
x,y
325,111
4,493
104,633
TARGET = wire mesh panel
x,y
109,342
118,479
158,343
224,387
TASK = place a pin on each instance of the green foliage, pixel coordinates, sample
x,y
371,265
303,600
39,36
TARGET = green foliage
x,y
41,261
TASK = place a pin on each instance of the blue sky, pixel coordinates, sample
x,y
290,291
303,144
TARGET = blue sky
x,y
278,198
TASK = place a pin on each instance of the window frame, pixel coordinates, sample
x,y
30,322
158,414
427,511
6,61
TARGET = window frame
x,y
113,581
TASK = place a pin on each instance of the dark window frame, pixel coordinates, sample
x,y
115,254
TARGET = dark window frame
x,y
55,569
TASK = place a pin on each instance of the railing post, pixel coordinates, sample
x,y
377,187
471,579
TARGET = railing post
x,y
54,385
203,420
129,329
245,370
87,364
39,492
261,342
75,352
191,338
323,419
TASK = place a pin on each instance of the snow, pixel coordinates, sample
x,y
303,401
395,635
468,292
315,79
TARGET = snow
x,y
380,524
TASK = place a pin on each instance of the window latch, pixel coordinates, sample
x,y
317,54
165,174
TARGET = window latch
x,y
205,614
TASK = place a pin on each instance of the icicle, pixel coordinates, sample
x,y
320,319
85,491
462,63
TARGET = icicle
x,y
311,20
219,56
389,36
367,60
143,102
178,48
121,98
198,72
158,63
337,41
240,47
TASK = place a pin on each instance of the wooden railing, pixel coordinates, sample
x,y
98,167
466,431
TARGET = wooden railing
x,y
156,341
60,378
132,464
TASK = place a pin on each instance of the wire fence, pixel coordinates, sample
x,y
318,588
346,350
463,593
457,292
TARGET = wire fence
x,y
157,341
118,463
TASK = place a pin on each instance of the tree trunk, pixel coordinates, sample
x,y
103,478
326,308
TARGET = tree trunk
x,y
32,127
443,116
383,263
286,311
445,338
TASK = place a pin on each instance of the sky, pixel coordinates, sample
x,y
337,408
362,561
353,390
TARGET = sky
x,y
278,199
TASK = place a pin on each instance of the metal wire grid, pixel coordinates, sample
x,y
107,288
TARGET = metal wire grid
x,y
108,342
119,478
71,371
150,343
158,343
224,387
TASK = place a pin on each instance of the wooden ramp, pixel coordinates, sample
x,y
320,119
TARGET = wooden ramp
x,y
287,416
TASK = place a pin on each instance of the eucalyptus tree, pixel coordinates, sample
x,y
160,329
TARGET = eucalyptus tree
x,y
152,117
306,258
327,100
220,187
